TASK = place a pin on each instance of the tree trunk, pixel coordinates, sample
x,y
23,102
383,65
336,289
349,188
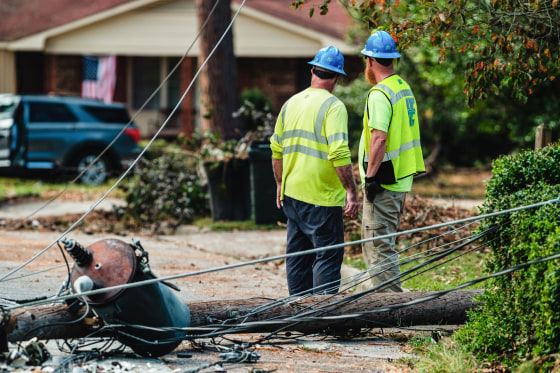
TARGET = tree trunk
x,y
339,314
219,95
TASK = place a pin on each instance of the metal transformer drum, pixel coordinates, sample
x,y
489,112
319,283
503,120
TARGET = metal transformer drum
x,y
147,318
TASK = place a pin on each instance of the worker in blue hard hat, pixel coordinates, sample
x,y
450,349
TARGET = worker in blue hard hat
x,y
314,178
389,156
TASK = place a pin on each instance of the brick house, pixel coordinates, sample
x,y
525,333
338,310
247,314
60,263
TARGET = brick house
x,y
43,42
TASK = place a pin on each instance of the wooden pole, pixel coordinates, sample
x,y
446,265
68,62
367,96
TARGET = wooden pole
x,y
543,136
339,313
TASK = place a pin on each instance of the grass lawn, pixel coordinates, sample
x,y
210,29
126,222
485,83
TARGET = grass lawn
x,y
445,273
453,183
46,188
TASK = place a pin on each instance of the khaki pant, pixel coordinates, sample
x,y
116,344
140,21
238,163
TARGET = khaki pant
x,y
378,219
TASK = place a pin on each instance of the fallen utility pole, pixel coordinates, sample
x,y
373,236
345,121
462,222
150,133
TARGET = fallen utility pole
x,y
152,320
57,322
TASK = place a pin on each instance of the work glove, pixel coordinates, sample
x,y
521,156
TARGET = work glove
x,y
372,188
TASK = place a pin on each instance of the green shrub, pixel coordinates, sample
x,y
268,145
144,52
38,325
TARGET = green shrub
x,y
165,189
520,314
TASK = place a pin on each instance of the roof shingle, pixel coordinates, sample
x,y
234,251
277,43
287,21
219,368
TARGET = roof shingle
x,y
20,18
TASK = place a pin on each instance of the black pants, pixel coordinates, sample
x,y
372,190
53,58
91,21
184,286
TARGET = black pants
x,y
309,227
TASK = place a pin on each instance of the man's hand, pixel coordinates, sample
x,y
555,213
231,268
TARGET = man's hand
x,y
372,188
279,202
277,168
346,176
352,204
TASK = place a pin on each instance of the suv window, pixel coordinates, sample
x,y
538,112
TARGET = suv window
x,y
50,112
108,115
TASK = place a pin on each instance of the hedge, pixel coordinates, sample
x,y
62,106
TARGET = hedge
x,y
519,318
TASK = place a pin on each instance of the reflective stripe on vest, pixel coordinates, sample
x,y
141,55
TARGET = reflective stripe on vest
x,y
395,153
313,136
394,98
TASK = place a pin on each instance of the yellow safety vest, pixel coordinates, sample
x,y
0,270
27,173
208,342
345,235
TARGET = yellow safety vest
x,y
311,137
403,153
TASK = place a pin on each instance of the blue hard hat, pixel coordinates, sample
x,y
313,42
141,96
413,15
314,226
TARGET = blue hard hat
x,y
381,45
329,58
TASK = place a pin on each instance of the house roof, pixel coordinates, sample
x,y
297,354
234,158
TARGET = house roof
x,y
24,18
21,18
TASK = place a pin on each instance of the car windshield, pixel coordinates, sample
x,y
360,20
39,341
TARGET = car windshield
x,y
8,105
108,115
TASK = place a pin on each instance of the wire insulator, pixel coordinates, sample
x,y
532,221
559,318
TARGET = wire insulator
x,y
80,254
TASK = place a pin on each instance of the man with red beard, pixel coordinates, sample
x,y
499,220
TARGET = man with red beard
x,y
389,156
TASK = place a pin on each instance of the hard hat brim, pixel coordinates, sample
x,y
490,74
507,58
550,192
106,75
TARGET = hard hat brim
x,y
329,68
381,55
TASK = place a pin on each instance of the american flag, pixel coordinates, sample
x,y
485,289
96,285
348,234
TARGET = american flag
x,y
99,77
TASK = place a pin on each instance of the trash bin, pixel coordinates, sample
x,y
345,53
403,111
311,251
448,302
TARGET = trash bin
x,y
229,188
263,185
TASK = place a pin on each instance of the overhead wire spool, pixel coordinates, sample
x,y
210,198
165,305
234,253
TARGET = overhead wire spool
x,y
145,315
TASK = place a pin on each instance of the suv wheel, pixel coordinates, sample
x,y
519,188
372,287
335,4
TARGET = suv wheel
x,y
95,174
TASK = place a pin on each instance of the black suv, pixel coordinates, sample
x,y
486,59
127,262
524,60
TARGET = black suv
x,y
39,132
